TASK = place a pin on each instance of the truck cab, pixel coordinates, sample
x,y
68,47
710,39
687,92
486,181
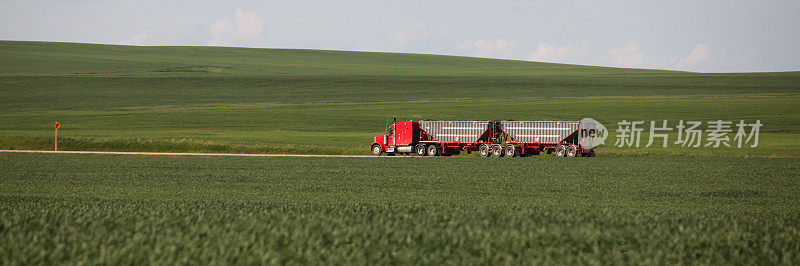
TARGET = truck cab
x,y
400,138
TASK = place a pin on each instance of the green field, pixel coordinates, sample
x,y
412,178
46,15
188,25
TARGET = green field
x,y
166,210
212,99
669,205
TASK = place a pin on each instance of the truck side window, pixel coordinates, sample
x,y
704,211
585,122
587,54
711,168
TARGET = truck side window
x,y
391,131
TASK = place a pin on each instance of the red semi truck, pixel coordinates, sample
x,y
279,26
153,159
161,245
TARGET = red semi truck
x,y
490,138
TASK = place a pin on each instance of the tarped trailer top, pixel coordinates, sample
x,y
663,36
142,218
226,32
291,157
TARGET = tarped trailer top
x,y
539,131
455,131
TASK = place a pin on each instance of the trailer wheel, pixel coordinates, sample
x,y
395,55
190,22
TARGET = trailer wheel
x,y
485,150
376,150
433,150
572,151
497,151
512,151
421,149
560,151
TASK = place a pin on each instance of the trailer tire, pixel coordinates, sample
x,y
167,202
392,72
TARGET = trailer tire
x,y
560,151
512,151
421,150
572,151
485,150
433,150
497,151
377,150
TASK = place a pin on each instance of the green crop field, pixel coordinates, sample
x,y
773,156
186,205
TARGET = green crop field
x,y
94,209
673,205
212,99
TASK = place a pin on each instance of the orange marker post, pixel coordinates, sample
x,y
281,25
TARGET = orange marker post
x,y
57,126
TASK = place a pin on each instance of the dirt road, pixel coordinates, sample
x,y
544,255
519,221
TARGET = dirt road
x,y
199,154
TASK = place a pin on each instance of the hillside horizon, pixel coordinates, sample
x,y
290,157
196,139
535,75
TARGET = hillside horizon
x,y
492,61
260,100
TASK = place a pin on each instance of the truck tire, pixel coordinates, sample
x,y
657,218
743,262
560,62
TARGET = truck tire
x,y
560,151
421,150
376,150
484,150
433,150
512,151
497,151
572,151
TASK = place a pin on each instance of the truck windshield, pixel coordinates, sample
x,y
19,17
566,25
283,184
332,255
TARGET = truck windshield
x,y
391,131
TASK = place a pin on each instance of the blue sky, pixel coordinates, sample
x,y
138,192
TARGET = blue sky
x,y
703,36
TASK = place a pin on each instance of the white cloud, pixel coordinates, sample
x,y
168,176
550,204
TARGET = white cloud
x,y
699,55
139,39
222,34
491,49
248,30
633,57
628,56
249,25
570,53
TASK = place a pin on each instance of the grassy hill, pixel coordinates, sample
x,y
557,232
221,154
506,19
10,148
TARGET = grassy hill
x,y
310,101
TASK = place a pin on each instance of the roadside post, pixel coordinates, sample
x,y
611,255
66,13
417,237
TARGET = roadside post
x,y
57,126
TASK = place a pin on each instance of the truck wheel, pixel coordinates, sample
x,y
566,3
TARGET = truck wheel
x,y
497,151
421,149
572,151
433,150
485,150
376,150
511,151
560,151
